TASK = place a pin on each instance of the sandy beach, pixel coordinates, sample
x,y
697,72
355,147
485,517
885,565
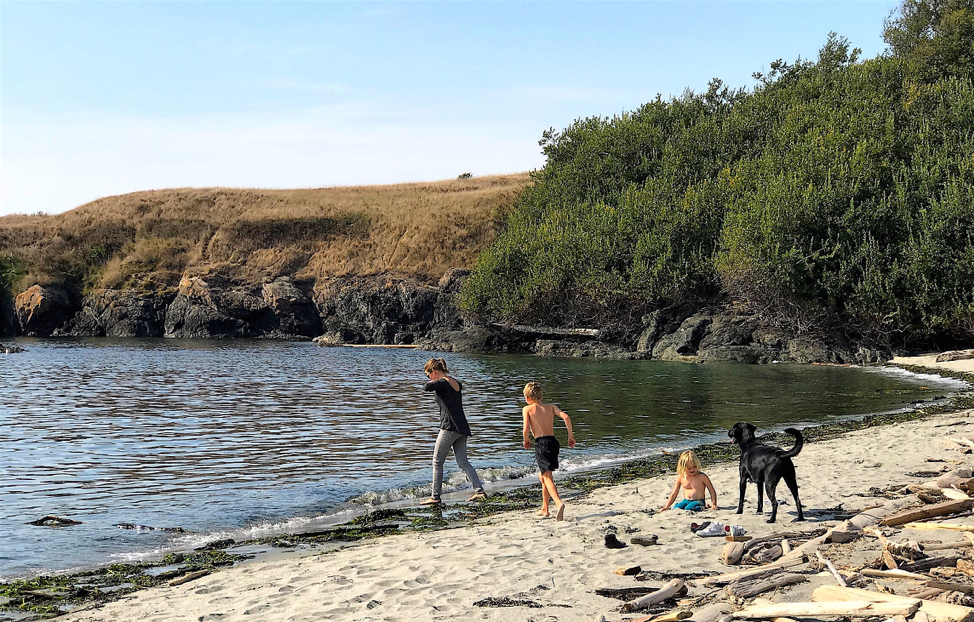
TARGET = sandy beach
x,y
557,565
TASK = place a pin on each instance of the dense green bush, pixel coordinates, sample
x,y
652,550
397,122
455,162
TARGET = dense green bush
x,y
837,192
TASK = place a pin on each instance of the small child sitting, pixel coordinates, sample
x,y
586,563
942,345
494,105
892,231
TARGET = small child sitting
x,y
695,485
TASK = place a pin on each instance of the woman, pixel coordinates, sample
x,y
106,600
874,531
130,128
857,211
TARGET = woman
x,y
453,429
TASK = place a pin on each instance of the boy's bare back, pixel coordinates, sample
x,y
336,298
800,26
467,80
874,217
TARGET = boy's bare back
x,y
540,418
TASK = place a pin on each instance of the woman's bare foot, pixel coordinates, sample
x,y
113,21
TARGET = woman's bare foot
x,y
561,512
430,501
542,513
477,496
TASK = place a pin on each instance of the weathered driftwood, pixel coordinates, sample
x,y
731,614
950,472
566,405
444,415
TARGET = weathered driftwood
x,y
626,593
893,574
732,552
835,573
795,535
938,611
549,330
949,586
946,558
186,578
712,612
928,511
850,608
750,589
953,493
669,590
785,546
933,526
724,579
944,546
767,555
866,518
672,616
966,566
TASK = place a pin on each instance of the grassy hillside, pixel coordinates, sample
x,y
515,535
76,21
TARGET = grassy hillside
x,y
149,239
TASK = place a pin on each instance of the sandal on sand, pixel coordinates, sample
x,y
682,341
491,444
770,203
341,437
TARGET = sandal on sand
x,y
477,496
649,540
430,501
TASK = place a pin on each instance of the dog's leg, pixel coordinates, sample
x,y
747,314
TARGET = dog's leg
x,y
792,483
760,497
770,485
740,502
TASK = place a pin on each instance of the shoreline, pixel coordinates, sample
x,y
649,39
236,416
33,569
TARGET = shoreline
x,y
518,505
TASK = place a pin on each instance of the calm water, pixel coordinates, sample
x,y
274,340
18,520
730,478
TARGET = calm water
x,y
246,438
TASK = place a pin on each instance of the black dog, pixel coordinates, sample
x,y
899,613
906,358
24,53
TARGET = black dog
x,y
766,465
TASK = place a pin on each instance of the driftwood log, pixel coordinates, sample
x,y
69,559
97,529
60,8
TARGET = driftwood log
x,y
894,574
724,579
928,511
186,578
937,611
851,608
750,589
835,573
669,590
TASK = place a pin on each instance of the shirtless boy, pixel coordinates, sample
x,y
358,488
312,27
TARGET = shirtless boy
x,y
695,485
539,420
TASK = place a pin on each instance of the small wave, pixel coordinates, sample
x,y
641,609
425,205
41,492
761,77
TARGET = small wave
x,y
945,381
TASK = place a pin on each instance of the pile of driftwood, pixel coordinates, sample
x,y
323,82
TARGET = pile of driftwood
x,y
919,580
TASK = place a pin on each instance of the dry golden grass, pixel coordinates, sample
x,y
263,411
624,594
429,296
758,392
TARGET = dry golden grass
x,y
418,230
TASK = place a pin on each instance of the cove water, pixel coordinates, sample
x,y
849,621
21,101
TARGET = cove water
x,y
248,438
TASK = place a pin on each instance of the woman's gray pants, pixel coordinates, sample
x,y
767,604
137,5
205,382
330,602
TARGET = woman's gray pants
x,y
444,441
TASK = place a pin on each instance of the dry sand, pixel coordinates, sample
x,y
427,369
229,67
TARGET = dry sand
x,y
439,575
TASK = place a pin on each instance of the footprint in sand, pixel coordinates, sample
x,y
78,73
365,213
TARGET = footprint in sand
x,y
255,610
209,590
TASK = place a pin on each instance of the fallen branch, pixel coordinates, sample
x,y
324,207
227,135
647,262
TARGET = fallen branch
x,y
938,611
750,589
851,608
186,578
894,574
667,591
932,526
928,511
947,586
835,573
724,579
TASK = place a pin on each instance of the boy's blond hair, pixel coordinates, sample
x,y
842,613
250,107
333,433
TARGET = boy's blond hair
x,y
533,390
687,458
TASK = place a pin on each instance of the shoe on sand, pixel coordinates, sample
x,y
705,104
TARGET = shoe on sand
x,y
431,501
477,496
714,529
694,528
645,540
612,542
737,530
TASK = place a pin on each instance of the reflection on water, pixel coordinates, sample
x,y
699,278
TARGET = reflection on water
x,y
218,435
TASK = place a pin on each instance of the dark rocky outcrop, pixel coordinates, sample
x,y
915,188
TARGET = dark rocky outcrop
x,y
42,310
119,313
221,309
388,311
8,317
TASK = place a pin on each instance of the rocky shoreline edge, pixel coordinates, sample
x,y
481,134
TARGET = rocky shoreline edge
x,y
394,311
53,595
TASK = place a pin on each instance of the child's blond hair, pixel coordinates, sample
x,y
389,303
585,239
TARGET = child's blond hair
x,y
533,390
687,458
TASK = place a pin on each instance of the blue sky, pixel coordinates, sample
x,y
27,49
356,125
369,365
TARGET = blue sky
x,y
104,98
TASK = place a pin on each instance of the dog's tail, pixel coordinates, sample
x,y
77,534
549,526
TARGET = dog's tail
x,y
799,443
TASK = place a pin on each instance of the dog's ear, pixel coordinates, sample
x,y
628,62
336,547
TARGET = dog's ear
x,y
751,428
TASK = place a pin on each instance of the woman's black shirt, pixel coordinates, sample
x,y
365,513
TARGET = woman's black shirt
x,y
451,407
